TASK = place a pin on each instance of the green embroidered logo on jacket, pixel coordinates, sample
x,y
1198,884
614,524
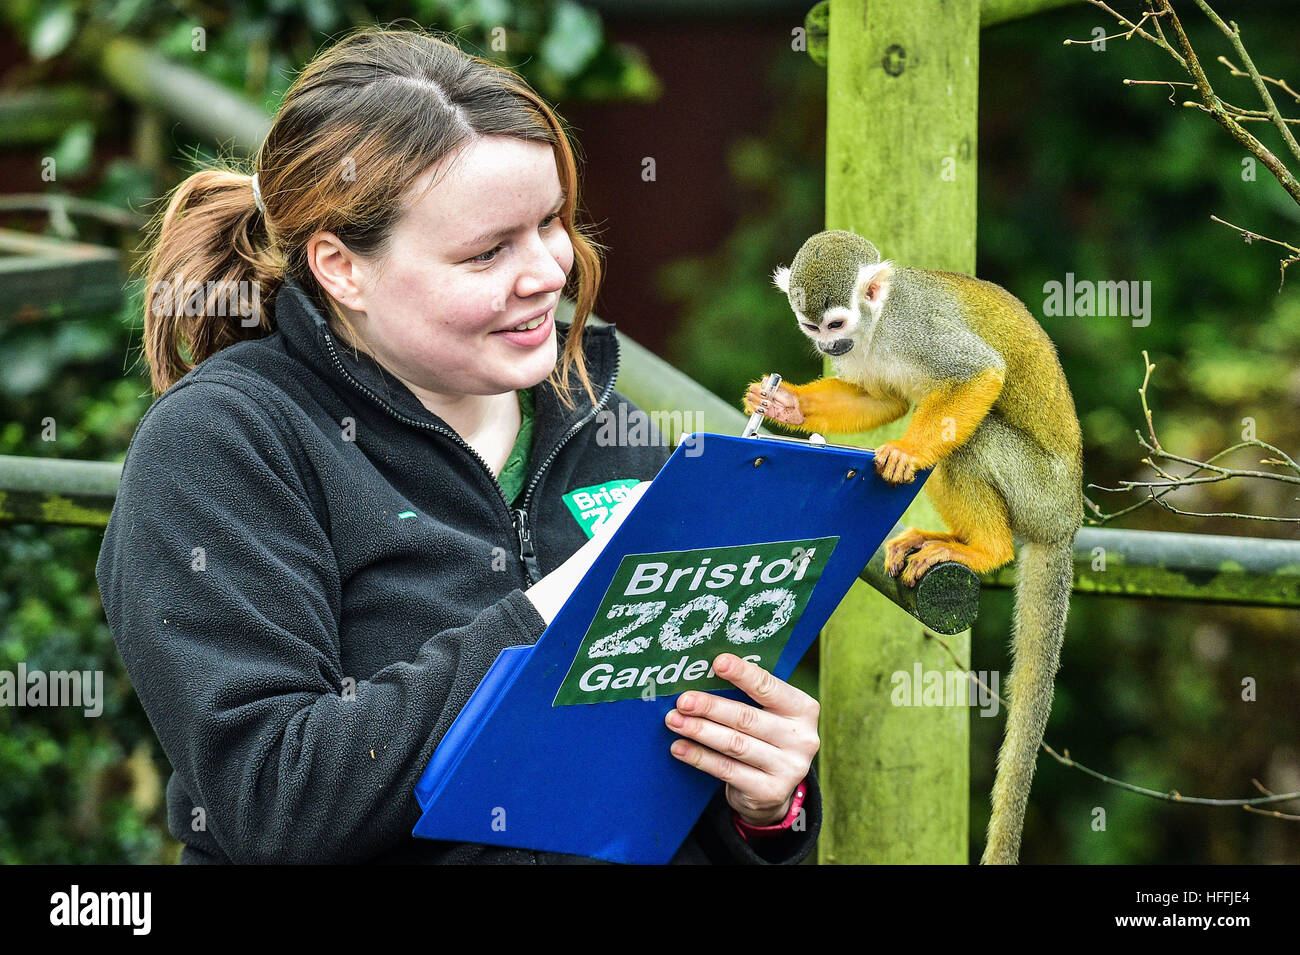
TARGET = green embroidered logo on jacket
x,y
590,506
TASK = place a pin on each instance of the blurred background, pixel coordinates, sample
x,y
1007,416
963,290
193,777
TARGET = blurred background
x,y
1077,173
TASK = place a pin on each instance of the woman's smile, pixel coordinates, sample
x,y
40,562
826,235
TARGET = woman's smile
x,y
533,337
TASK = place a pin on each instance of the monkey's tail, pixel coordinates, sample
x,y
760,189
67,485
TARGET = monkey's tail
x,y
1044,576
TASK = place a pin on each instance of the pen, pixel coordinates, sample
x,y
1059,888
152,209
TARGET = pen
x,y
756,419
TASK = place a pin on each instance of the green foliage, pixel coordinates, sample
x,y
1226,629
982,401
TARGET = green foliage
x,y
559,46
75,788
52,30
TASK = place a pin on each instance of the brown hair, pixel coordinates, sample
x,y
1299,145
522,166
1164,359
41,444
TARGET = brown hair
x,y
389,101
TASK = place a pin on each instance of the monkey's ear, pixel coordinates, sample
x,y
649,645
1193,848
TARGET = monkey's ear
x,y
781,279
873,282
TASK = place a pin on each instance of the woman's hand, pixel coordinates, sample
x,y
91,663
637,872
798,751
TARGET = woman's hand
x,y
761,754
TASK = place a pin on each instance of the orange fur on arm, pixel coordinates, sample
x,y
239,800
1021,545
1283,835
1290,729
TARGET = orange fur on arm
x,y
946,417
836,406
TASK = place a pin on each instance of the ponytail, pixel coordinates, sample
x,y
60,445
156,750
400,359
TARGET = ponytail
x,y
210,275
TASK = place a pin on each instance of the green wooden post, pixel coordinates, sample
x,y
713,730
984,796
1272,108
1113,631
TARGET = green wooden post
x,y
900,170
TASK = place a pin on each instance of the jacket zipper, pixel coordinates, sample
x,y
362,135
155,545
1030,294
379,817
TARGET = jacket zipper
x,y
526,552
600,404
518,515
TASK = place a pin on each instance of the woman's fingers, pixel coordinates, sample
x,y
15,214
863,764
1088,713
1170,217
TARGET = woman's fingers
x,y
761,754
733,715
756,785
775,696
727,740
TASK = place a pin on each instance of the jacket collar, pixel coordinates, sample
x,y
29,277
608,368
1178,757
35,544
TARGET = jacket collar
x,y
307,333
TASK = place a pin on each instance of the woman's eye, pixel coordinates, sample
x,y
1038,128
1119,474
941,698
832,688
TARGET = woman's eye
x,y
481,258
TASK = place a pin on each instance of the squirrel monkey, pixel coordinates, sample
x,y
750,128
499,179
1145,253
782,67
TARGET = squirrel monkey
x,y
995,419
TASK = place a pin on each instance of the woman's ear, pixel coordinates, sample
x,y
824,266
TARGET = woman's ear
x,y
340,272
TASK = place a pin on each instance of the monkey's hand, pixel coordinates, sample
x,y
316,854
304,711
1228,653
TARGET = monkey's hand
x,y
827,406
897,462
782,406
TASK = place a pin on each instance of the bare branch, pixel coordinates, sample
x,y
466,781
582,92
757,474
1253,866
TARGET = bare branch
x,y
1252,517
1162,12
1234,37
1157,490
1136,28
1170,83
1216,110
1116,36
1252,236
1240,114
1064,759
1273,813
1280,84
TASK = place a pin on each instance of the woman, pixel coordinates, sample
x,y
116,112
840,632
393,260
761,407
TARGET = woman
x,y
351,494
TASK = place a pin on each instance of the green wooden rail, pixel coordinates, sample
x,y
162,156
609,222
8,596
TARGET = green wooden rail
x,y
44,278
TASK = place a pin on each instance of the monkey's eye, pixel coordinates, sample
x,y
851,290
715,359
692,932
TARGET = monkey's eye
x,y
810,326
838,323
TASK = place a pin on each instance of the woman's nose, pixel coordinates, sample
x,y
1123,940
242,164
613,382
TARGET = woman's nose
x,y
543,271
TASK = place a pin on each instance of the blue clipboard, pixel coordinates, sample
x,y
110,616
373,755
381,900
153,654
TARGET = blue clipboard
x,y
598,780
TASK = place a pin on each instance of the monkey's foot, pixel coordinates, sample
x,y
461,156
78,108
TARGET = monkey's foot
x,y
897,549
926,556
781,406
896,462
937,552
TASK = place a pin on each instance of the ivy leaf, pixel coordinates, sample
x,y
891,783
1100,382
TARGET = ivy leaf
x,y
73,152
574,38
53,31
321,14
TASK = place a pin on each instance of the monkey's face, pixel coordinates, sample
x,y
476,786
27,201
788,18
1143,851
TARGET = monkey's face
x,y
837,327
832,331
825,316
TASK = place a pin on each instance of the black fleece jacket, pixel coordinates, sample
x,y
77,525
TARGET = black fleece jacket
x,y
307,573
